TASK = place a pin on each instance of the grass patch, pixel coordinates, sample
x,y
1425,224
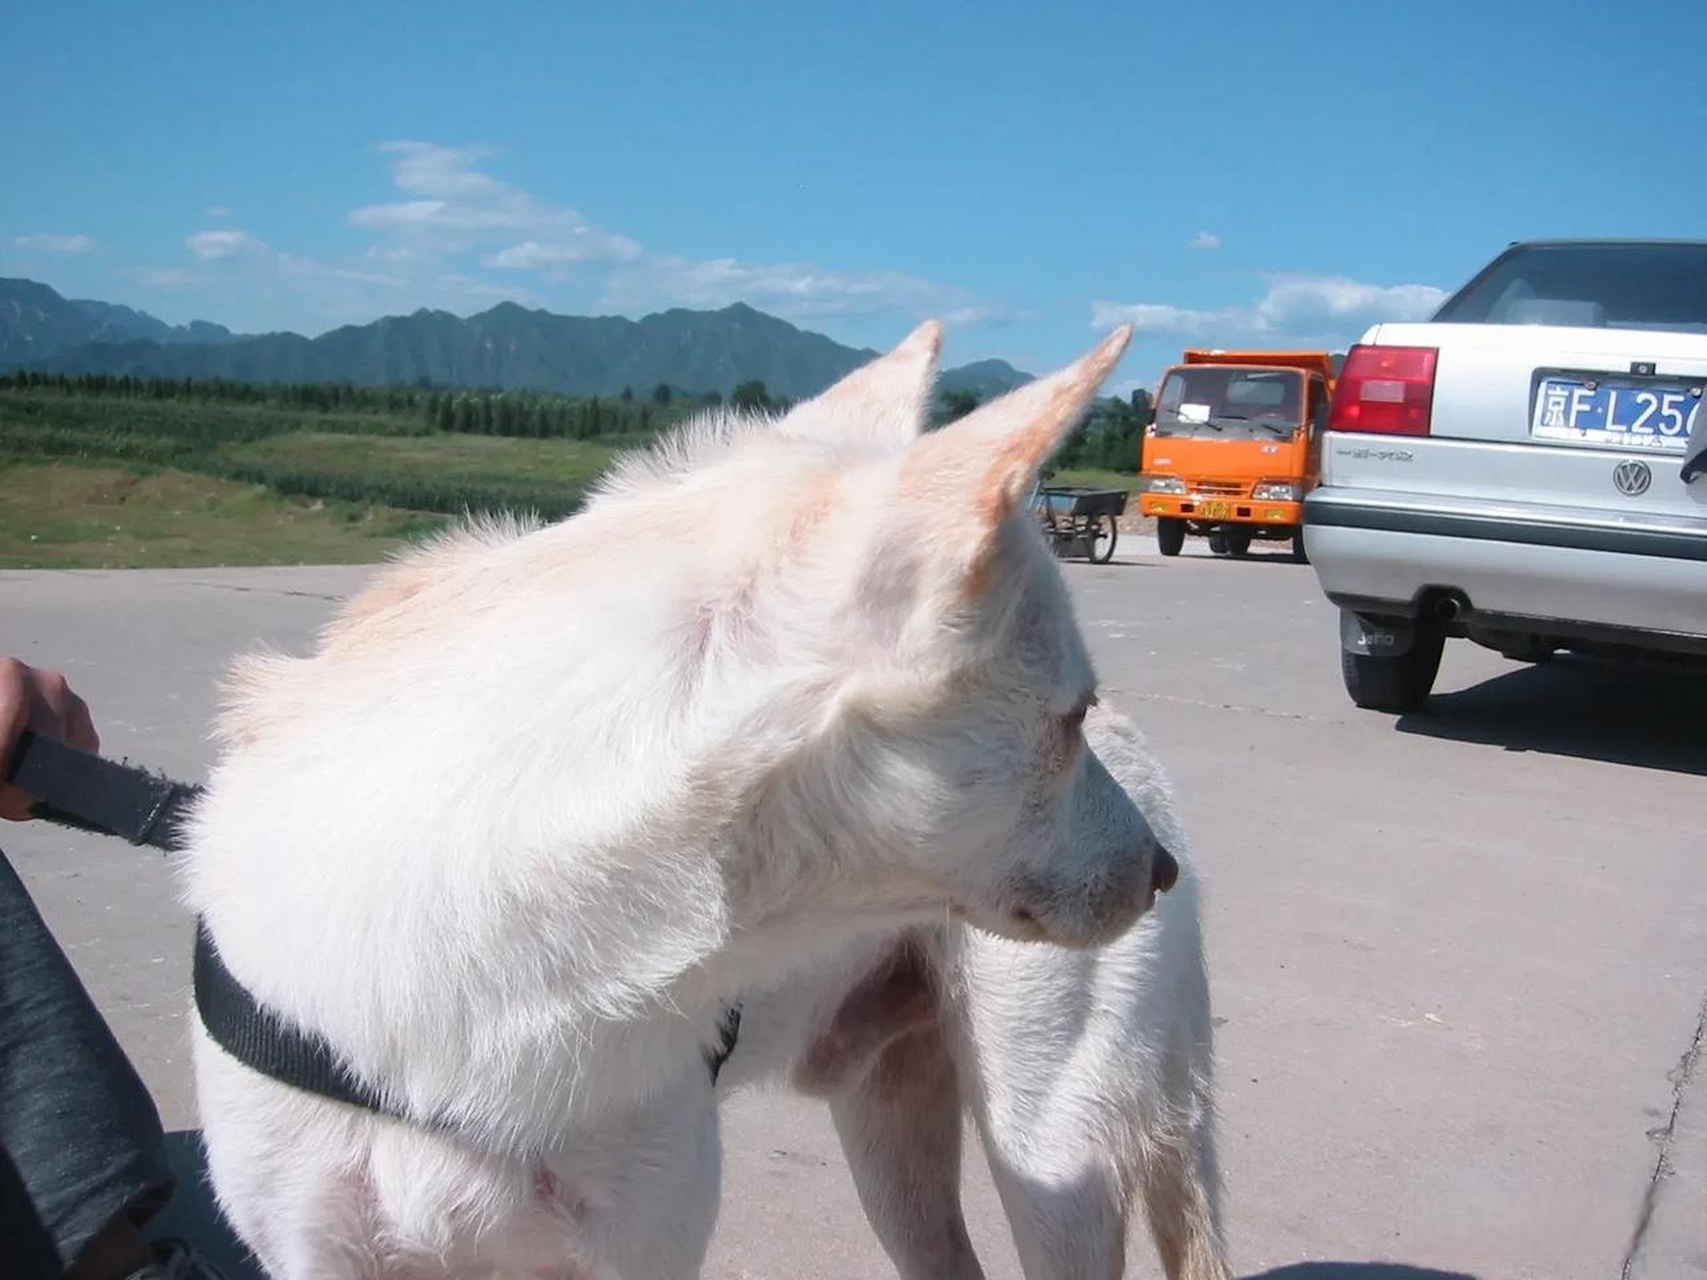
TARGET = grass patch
x,y
481,459
442,472
66,516
114,480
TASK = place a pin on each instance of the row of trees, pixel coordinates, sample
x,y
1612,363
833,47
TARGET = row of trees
x,y
327,397
1111,435
481,411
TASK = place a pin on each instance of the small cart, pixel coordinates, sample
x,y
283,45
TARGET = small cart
x,y
1080,521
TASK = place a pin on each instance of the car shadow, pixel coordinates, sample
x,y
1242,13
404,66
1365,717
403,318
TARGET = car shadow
x,y
1260,553
1580,707
1358,1271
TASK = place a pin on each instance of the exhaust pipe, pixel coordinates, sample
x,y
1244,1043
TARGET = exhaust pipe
x,y
1449,608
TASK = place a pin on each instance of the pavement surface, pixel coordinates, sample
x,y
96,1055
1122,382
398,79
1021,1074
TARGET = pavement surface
x,y
1459,958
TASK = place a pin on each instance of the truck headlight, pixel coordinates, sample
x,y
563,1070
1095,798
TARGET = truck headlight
x,y
1163,484
1276,491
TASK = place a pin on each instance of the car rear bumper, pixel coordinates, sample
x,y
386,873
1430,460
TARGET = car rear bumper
x,y
1393,552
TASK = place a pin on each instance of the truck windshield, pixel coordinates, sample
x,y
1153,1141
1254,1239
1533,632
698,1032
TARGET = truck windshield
x,y
1229,403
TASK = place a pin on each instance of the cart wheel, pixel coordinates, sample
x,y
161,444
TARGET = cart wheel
x,y
1100,545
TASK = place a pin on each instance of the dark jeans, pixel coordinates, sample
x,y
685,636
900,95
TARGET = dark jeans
x,y
80,1140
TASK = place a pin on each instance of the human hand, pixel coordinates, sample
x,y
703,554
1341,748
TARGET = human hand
x,y
40,701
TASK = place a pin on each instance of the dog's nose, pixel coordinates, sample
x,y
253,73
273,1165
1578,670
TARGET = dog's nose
x,y
1164,871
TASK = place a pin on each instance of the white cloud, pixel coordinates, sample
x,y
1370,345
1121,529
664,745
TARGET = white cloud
x,y
457,207
1156,317
1204,240
454,208
212,246
580,245
1318,309
979,313
219,211
49,242
452,223
794,289
1292,298
171,277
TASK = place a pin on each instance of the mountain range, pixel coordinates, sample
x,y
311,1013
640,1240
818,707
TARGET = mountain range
x,y
508,346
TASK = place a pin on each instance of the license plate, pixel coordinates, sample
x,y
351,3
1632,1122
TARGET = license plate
x,y
1632,415
1214,510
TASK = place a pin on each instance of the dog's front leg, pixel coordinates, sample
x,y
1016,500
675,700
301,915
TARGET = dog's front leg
x,y
900,1128
651,1185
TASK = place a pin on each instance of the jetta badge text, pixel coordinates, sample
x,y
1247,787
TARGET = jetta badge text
x,y
1632,477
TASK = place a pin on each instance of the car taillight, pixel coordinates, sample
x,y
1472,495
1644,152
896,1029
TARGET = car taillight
x,y
1389,390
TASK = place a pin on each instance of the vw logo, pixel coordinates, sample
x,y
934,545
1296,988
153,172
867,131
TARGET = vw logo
x,y
1632,478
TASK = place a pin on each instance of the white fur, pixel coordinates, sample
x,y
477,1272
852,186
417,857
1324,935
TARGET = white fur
x,y
1089,1074
543,801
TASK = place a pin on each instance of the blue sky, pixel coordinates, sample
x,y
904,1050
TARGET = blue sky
x,y
1220,173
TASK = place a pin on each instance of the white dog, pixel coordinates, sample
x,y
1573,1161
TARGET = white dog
x,y
543,803
1089,1074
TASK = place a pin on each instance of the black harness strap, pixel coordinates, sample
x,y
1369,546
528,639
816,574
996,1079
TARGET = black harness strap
x,y
261,1039
90,793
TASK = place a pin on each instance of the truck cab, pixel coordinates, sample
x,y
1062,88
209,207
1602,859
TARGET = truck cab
x,y
1235,445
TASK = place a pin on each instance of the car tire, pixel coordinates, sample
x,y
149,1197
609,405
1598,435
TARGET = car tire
x,y
1299,554
1397,684
1170,535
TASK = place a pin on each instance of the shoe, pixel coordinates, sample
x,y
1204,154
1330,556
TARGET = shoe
x,y
176,1260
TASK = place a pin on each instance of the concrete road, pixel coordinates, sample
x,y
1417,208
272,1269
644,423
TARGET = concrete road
x,y
1458,957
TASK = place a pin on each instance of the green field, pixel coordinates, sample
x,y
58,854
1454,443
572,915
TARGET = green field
x,y
131,481
113,473
58,515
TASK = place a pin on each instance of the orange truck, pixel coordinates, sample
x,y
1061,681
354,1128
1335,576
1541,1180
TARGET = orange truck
x,y
1235,445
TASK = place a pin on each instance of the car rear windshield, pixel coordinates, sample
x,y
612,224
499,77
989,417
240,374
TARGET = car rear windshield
x,y
1614,286
1229,402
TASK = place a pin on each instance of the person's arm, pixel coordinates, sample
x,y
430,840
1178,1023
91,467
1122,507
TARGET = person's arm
x,y
42,701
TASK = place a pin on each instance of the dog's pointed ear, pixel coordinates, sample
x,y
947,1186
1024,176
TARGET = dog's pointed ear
x,y
987,463
881,404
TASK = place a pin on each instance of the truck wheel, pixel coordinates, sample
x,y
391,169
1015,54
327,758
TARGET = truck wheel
x,y
1170,535
1397,684
1299,554
1238,542
1218,543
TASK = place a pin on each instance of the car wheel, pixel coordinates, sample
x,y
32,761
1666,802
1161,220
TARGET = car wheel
x,y
1397,684
1170,535
1299,554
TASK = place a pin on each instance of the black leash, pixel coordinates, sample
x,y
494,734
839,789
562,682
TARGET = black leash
x,y
73,788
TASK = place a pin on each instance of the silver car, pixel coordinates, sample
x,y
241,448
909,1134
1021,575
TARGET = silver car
x,y
1527,470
